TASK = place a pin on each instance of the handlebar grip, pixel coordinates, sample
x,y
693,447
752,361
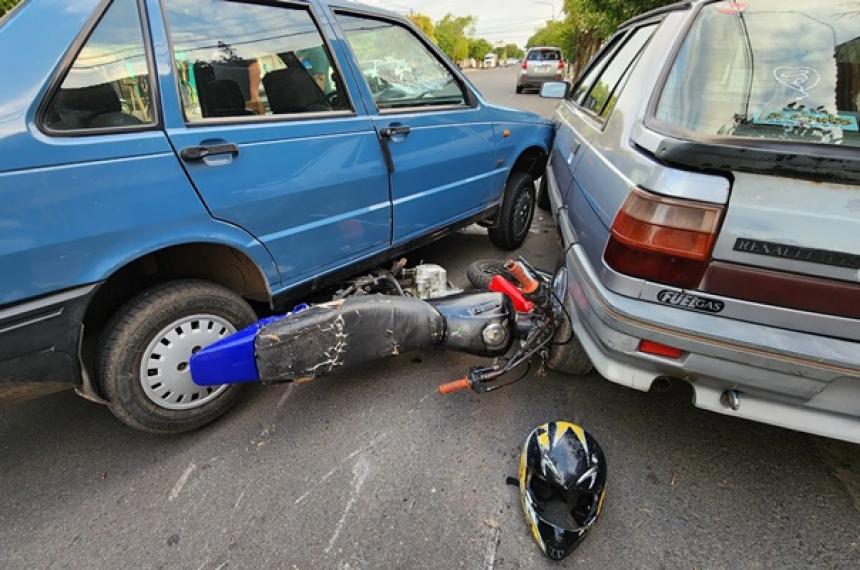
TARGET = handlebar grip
x,y
527,283
455,386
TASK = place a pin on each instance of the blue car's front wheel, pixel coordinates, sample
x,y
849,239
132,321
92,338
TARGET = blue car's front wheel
x,y
518,208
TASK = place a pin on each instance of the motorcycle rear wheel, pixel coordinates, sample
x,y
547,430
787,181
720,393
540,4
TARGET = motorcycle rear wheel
x,y
481,272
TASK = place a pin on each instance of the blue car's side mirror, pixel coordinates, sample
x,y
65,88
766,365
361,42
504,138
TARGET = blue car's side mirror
x,y
555,89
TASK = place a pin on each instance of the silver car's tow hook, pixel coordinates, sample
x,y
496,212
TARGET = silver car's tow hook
x,y
731,399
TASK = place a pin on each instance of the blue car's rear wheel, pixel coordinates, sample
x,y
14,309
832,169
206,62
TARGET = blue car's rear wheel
x,y
143,362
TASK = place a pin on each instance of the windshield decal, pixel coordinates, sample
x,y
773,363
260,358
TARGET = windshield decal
x,y
799,79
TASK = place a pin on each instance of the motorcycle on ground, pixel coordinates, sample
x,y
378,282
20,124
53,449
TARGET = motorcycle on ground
x,y
514,318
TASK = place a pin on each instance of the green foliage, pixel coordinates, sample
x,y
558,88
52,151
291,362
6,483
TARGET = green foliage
x,y
479,47
601,17
515,51
555,34
508,51
424,23
452,35
586,24
6,5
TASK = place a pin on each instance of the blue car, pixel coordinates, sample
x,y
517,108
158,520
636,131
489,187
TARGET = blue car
x,y
172,169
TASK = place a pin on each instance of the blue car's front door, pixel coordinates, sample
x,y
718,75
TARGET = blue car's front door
x,y
262,118
440,144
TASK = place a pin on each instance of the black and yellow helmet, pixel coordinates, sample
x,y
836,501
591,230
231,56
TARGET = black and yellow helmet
x,y
562,478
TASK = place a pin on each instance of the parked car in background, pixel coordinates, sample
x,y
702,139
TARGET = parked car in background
x,y
541,64
491,60
143,219
711,218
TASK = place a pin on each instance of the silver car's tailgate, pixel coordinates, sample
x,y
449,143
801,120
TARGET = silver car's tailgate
x,y
792,225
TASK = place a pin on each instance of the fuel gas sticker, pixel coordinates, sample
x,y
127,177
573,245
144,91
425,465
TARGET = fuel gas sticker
x,y
690,302
732,7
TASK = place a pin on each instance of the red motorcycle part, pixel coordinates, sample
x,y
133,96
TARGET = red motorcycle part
x,y
501,285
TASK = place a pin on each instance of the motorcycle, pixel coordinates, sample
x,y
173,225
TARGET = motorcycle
x,y
514,319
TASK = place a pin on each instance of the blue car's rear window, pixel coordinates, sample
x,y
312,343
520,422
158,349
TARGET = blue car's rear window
x,y
761,70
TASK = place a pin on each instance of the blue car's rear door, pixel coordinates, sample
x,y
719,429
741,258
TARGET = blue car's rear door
x,y
269,132
439,141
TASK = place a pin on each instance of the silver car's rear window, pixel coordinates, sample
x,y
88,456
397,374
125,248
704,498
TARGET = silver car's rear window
x,y
544,55
769,69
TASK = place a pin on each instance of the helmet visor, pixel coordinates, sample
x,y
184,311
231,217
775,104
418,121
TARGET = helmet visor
x,y
568,510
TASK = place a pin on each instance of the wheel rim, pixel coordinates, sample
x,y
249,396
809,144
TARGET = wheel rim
x,y
165,375
522,214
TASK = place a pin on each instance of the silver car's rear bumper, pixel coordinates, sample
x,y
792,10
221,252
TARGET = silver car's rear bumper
x,y
786,378
526,79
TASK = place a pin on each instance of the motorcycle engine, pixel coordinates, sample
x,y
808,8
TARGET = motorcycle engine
x,y
429,281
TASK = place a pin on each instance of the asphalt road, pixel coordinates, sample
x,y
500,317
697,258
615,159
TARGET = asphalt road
x,y
375,470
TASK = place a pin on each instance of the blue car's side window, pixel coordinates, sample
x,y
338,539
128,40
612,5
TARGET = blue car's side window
x,y
399,69
108,85
237,59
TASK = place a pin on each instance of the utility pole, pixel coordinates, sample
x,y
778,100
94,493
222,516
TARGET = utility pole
x,y
551,5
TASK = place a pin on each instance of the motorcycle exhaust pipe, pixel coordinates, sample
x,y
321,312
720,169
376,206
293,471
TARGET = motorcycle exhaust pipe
x,y
333,337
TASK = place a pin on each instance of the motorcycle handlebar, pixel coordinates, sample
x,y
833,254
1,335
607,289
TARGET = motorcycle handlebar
x,y
456,386
527,283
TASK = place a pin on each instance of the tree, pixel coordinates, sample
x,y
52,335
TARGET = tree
x,y
6,5
556,33
425,24
590,22
451,35
479,47
514,51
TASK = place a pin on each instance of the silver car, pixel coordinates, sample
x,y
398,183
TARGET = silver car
x,y
541,64
706,183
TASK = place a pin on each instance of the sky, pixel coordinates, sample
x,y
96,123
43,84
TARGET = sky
x,y
509,21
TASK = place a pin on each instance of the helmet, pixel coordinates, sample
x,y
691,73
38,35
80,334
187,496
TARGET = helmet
x,y
562,479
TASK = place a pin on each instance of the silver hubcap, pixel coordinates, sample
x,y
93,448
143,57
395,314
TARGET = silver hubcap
x,y
164,372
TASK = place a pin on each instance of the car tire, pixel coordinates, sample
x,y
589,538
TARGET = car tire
x,y
519,89
481,272
566,354
143,361
543,201
518,208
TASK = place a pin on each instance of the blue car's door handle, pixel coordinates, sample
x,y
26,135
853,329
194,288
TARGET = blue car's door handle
x,y
395,130
386,136
194,153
